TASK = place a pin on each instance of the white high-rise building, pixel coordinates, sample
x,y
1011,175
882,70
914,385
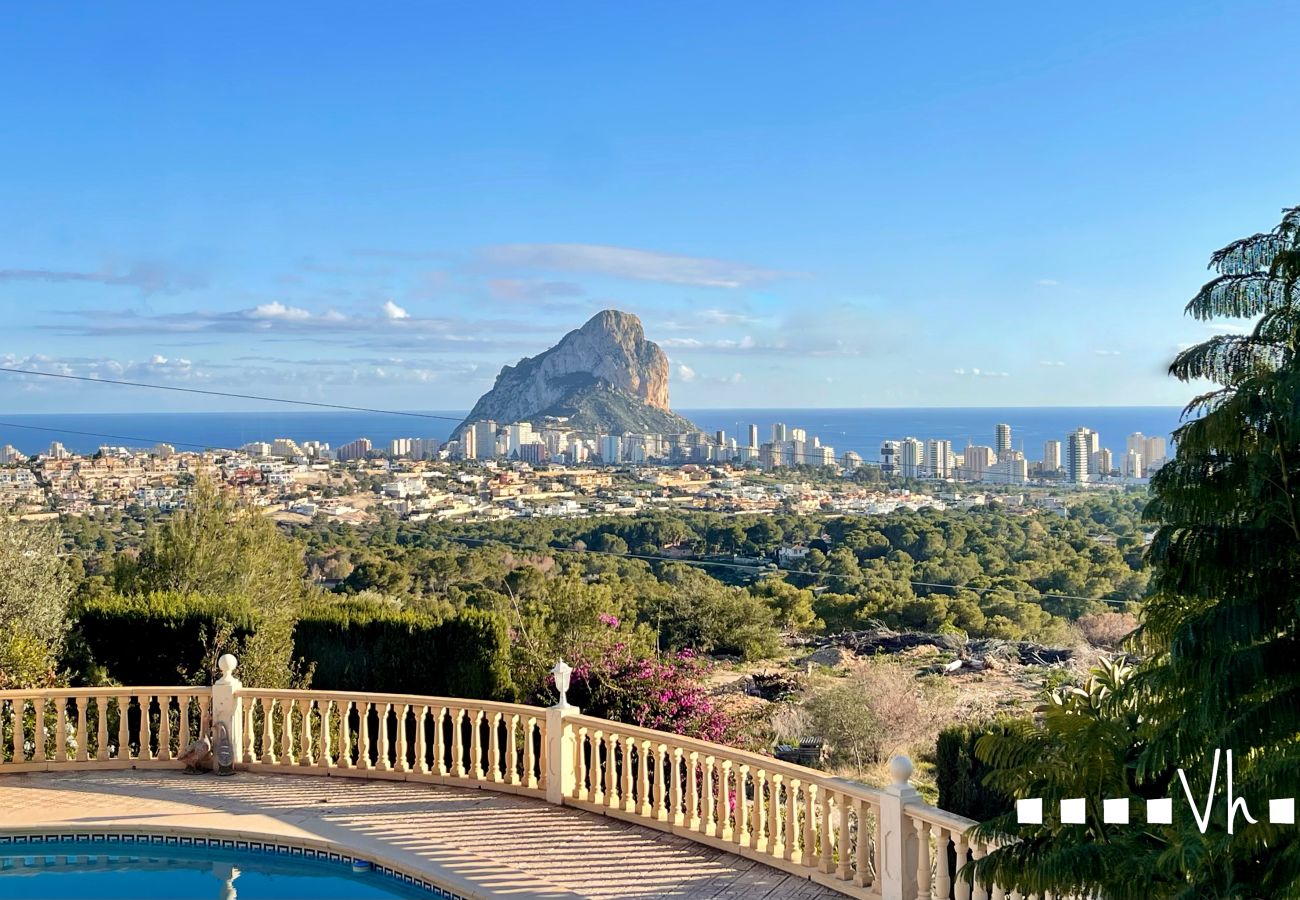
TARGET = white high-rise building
x,y
1154,452
1051,456
911,457
1101,462
9,454
938,458
1077,455
1011,468
611,449
889,457
976,461
798,434
517,435
399,447
753,437
1001,438
779,435
485,439
1131,464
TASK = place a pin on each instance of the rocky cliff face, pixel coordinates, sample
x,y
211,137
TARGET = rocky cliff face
x,y
605,376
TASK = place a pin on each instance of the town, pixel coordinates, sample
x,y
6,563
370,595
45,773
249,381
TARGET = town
x,y
493,472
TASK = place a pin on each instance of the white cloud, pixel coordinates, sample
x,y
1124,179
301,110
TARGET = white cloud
x,y
980,373
685,373
1052,363
629,263
278,310
1107,352
393,311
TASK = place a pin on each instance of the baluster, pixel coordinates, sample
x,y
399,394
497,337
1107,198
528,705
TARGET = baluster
x,y
627,780
709,820
942,877
613,793
440,742
692,819
880,843
365,741
961,887
595,779
304,709
422,740
862,861
402,713
146,726
724,829
827,863
286,733
643,778
164,726
457,745
981,891
60,723
249,739
791,848
775,845
495,764
679,807
82,755
19,708
326,741
741,833
758,812
205,709
475,743
38,721
659,790
268,730
842,871
923,859
808,854
123,730
345,735
183,720
531,761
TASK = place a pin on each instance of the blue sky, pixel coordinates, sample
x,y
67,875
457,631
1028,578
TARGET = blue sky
x,y
825,204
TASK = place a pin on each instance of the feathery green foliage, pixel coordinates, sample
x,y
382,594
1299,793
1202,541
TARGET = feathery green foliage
x,y
1220,635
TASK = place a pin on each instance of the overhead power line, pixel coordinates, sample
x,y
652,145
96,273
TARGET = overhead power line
x,y
804,457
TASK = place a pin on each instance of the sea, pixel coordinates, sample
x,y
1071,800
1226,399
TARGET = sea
x,y
861,430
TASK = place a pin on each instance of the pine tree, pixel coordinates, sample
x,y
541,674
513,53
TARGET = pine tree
x,y
1220,636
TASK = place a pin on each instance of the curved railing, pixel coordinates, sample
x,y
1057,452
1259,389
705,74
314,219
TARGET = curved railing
x,y
861,841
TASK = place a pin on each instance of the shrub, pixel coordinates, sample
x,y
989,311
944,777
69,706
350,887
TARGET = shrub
x,y
356,647
1107,629
960,773
663,693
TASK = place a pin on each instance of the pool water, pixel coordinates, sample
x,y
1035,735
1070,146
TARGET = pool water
x,y
115,869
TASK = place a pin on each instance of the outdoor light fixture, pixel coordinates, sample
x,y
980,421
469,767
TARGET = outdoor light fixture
x,y
561,673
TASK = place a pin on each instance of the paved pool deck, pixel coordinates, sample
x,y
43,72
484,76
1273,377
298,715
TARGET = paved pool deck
x,y
476,842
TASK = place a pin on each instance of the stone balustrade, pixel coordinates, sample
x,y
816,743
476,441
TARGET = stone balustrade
x,y
861,841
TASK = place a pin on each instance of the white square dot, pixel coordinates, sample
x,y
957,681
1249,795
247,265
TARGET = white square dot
x,y
1073,811
1282,812
1115,811
1160,811
1030,812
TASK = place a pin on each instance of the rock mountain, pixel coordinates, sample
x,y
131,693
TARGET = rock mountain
x,y
604,377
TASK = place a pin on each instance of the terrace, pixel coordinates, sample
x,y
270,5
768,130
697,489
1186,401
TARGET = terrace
x,y
483,799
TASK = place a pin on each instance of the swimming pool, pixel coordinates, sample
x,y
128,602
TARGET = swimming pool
x,y
128,867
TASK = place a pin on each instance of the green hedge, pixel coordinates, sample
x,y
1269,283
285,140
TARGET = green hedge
x,y
162,639
156,639
370,649
960,774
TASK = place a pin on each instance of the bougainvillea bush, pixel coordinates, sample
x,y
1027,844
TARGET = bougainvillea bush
x,y
662,693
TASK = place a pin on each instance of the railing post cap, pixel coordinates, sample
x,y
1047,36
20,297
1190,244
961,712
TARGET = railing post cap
x,y
227,664
900,769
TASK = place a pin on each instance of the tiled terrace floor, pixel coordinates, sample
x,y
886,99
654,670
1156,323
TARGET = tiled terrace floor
x,y
480,842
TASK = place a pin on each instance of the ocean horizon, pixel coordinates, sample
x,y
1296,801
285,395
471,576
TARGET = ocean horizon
x,y
860,429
